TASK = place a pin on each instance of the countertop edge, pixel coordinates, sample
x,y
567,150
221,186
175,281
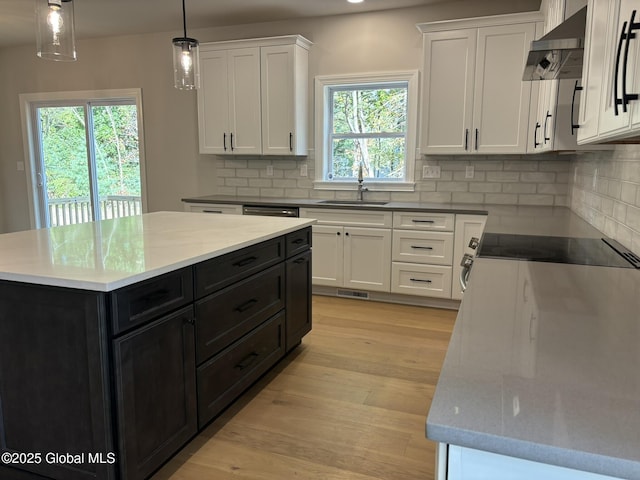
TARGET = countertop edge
x,y
536,452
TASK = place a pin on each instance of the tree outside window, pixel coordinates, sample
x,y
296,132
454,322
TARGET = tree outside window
x,y
368,128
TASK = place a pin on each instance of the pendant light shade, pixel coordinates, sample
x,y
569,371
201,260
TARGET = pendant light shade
x,y
186,59
55,34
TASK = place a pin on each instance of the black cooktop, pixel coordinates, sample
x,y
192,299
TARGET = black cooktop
x,y
582,251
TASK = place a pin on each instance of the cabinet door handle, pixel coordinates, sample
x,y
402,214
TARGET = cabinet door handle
x,y
224,141
299,261
618,101
546,123
346,234
232,142
535,136
246,305
423,221
574,125
290,142
466,139
419,247
245,261
420,280
247,361
627,97
476,139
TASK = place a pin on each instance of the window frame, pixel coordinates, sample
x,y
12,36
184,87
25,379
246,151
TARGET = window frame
x,y
30,102
323,121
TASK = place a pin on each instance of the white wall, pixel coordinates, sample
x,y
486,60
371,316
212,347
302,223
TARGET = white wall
x,y
351,43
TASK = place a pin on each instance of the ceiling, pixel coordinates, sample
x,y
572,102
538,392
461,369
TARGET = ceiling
x,y
98,18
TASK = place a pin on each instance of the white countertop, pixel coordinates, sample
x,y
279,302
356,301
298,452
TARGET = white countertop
x,y
544,364
110,254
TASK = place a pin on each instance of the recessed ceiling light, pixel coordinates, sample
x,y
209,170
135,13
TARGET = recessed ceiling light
x,y
355,1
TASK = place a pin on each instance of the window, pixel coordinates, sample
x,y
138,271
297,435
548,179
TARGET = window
x,y
368,122
84,156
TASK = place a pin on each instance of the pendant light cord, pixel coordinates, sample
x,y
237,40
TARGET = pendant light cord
x,y
184,19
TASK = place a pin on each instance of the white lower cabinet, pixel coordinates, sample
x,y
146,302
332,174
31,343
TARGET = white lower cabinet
x,y
471,464
422,253
422,280
347,254
367,258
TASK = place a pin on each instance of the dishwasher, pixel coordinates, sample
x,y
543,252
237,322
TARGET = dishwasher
x,y
270,211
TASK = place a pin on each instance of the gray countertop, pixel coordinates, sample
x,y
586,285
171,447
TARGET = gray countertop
x,y
544,364
530,220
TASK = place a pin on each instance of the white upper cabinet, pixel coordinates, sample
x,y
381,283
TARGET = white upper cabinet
x,y
474,99
254,96
284,100
610,106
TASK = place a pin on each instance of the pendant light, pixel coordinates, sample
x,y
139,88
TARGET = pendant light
x,y
186,59
55,36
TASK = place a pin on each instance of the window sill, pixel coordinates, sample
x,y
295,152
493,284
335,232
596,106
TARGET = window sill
x,y
371,185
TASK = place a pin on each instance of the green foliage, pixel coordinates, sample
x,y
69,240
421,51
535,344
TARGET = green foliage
x,y
64,149
369,126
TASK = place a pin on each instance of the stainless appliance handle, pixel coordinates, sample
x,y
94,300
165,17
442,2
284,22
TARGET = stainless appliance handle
x,y
467,261
271,211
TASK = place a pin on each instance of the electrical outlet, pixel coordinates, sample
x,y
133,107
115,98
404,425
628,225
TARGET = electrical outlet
x,y
303,170
269,170
20,166
431,171
469,172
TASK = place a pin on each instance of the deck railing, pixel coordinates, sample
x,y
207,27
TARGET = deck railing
x,y
69,211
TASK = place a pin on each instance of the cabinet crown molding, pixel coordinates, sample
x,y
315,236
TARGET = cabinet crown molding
x,y
476,22
298,40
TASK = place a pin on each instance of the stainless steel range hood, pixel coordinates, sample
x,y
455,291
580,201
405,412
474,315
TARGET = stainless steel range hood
x,y
559,54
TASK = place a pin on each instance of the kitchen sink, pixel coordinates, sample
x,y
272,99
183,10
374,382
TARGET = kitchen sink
x,y
352,202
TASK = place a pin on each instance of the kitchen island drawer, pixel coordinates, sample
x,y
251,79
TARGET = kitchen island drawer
x,y
422,247
443,222
228,374
214,274
225,316
423,280
138,303
298,242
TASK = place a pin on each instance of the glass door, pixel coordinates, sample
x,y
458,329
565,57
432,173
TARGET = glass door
x,y
88,165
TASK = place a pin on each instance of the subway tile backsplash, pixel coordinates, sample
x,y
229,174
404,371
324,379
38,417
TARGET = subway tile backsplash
x,y
541,180
605,191
601,187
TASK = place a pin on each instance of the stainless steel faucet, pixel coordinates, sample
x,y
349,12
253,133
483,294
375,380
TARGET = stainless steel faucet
x,y
361,188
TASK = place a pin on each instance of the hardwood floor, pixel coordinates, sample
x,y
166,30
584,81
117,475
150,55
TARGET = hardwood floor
x,y
349,403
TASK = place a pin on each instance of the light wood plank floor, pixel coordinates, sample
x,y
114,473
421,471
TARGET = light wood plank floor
x,y
349,403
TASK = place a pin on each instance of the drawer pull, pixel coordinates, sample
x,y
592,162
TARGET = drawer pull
x,y
299,261
245,262
246,305
212,211
247,361
420,280
156,296
418,247
298,241
423,221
